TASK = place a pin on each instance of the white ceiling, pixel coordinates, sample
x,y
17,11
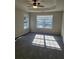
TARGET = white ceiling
x,y
49,5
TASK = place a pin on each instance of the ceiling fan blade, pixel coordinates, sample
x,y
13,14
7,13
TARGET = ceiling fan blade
x,y
29,6
34,0
40,5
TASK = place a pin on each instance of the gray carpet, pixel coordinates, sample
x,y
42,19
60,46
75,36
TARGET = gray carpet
x,y
24,49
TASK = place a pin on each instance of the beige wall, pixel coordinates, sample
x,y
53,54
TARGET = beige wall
x,y
62,28
19,22
57,18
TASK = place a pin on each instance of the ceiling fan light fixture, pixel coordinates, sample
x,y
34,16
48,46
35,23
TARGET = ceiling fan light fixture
x,y
35,7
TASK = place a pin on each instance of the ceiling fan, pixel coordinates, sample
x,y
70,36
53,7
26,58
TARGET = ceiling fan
x,y
36,4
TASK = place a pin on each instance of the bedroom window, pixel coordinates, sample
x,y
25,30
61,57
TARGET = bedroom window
x,y
26,22
45,21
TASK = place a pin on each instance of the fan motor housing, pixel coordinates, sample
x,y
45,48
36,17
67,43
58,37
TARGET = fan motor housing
x,y
34,0
34,4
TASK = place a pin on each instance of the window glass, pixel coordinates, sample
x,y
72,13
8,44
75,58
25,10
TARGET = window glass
x,y
26,22
44,21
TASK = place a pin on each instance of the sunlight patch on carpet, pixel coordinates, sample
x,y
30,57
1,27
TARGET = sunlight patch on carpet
x,y
45,41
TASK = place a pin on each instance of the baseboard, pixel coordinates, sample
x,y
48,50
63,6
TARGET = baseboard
x,y
47,33
21,35
38,33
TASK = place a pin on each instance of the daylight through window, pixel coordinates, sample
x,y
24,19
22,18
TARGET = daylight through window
x,y
45,21
26,22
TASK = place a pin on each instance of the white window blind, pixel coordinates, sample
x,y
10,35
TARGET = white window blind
x,y
45,21
26,22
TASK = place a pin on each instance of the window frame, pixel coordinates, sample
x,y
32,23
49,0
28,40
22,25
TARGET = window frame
x,y
45,22
26,21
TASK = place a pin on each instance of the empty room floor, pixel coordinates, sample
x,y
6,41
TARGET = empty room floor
x,y
39,46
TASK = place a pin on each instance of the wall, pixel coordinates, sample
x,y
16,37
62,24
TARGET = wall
x,y
19,22
57,18
62,28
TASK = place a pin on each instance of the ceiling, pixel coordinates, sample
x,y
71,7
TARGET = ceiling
x,y
49,5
